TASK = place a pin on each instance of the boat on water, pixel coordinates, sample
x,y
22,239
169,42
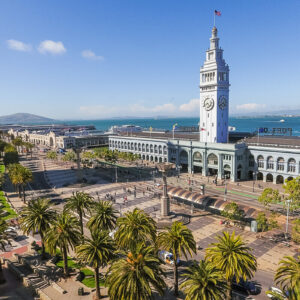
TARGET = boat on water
x,y
282,121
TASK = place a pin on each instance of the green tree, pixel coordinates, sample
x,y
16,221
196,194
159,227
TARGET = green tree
x,y
180,241
20,176
18,142
233,257
2,179
69,156
10,157
136,275
135,227
28,146
288,276
296,231
36,217
88,155
203,281
2,147
4,240
269,196
233,212
79,203
262,222
96,251
292,191
51,155
104,216
64,233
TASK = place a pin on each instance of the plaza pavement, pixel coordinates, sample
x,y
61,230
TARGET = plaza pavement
x,y
204,225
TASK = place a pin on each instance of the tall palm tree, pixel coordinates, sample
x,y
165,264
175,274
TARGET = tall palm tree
x,y
180,241
79,203
134,227
288,276
136,275
64,233
96,251
4,240
20,177
104,216
37,217
233,257
203,281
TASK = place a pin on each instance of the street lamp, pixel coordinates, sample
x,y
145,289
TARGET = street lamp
x,y
116,173
254,178
287,218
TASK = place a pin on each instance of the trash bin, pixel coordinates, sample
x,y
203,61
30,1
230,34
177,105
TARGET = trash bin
x,y
253,226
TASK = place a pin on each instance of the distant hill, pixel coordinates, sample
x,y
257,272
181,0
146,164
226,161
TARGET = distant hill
x,y
24,118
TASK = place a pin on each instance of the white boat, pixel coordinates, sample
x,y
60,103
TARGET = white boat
x,y
282,121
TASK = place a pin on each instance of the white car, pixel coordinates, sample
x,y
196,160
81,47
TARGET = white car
x,y
12,232
276,291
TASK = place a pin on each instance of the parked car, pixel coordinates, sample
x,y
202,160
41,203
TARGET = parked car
x,y
167,257
276,293
11,232
245,286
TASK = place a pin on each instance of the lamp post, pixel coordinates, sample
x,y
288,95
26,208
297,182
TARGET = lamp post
x,y
287,218
165,201
116,173
254,178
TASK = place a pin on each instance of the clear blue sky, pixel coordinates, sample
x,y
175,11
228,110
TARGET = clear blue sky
x,y
142,58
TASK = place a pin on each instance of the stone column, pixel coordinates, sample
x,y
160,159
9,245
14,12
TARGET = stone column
x,y
165,201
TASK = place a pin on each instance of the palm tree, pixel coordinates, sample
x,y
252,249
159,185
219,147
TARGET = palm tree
x,y
135,275
96,252
64,234
20,177
4,240
36,218
288,276
233,257
104,216
203,281
78,203
180,241
134,227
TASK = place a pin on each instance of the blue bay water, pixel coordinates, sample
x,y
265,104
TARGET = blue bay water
x,y
241,124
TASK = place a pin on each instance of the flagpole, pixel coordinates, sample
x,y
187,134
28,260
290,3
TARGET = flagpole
x,y
214,19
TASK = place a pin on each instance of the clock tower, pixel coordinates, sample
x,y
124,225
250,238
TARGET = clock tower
x,y
214,94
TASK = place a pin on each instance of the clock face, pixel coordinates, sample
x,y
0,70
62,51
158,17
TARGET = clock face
x,y
208,103
222,102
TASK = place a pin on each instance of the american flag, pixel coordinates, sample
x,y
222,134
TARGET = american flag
x,y
217,13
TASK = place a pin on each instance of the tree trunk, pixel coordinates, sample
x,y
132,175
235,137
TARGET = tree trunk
x,y
80,221
43,245
23,189
175,276
65,258
229,290
19,190
98,295
2,279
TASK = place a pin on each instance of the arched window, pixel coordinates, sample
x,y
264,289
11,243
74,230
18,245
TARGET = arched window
x,y
147,148
291,165
260,161
270,163
151,148
212,159
160,149
197,157
165,150
155,148
280,164
143,147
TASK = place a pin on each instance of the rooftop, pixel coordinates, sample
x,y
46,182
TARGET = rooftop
x,y
274,141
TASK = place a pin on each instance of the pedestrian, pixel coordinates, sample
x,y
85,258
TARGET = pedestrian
x,y
143,192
